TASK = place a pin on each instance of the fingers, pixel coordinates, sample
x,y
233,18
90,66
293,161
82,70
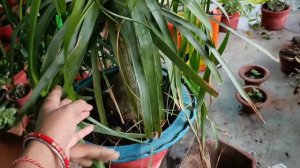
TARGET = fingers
x,y
93,152
79,106
54,96
64,102
83,162
78,109
80,135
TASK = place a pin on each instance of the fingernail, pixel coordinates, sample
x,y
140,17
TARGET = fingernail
x,y
92,127
116,155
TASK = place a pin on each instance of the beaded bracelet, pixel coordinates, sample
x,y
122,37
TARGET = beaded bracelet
x,y
27,160
55,147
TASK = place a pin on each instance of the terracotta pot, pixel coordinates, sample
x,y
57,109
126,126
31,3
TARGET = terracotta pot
x,y
10,148
246,106
246,70
232,22
287,62
273,20
226,155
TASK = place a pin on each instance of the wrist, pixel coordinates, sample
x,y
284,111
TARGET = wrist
x,y
42,154
51,144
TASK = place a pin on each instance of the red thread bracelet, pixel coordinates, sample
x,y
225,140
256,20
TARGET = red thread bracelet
x,y
28,160
55,147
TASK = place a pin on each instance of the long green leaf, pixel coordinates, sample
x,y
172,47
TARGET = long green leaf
x,y
198,12
74,59
182,65
203,53
61,7
97,85
100,128
149,53
47,77
163,29
121,64
127,32
32,55
267,53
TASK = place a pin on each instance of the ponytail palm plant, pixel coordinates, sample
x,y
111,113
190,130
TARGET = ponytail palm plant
x,y
66,35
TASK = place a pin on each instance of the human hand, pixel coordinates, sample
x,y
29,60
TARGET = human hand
x,y
58,120
84,154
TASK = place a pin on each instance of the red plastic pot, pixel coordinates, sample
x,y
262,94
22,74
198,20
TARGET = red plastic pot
x,y
246,106
21,77
154,162
232,22
82,76
246,69
6,32
273,20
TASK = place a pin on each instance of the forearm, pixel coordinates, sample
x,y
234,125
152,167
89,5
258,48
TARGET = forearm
x,y
40,153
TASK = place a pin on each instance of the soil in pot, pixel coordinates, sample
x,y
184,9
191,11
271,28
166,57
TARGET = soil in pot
x,y
232,22
254,74
290,59
258,95
274,20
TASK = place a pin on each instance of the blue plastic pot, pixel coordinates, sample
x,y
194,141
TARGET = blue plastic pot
x,y
168,138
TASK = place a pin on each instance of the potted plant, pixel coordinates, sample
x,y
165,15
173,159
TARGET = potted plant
x,y
233,9
254,74
274,14
290,57
135,37
258,95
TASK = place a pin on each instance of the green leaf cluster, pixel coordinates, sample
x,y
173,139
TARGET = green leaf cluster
x,y
94,35
7,117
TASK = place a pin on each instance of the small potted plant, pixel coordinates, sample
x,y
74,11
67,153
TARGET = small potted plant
x,y
7,118
274,14
21,93
254,74
233,9
259,97
290,57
